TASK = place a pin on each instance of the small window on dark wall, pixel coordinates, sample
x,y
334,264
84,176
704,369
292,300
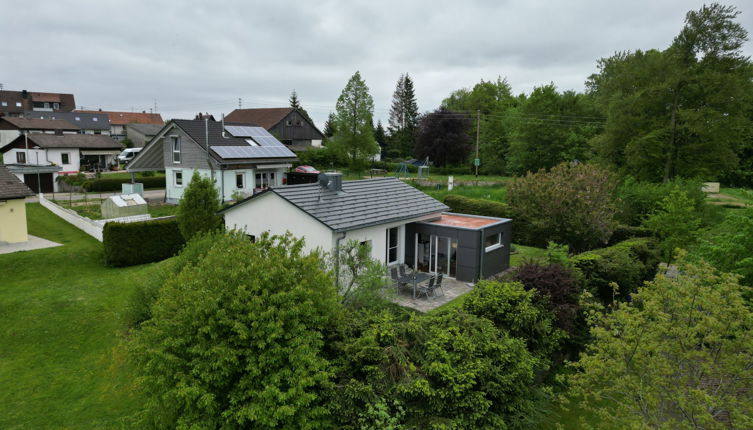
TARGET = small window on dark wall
x,y
493,241
65,158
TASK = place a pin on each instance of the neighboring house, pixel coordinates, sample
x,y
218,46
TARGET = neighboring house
x,y
141,134
88,123
119,120
242,159
15,103
289,125
11,128
13,194
402,224
68,153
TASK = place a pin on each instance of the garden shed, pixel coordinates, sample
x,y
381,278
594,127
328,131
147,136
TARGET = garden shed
x,y
124,205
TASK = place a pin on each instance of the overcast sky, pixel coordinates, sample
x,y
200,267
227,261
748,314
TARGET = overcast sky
x,y
124,55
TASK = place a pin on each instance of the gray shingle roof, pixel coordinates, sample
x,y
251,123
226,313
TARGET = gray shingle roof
x,y
85,141
84,120
361,203
146,129
11,187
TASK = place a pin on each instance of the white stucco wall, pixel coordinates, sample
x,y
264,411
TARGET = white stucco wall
x,y
173,192
378,237
272,213
224,181
56,156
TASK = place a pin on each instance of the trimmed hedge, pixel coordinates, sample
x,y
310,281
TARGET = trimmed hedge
x,y
627,263
107,184
467,205
128,244
625,232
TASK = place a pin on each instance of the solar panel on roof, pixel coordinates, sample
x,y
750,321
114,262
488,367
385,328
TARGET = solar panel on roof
x,y
258,134
231,152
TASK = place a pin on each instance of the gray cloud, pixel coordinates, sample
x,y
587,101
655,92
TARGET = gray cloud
x,y
202,56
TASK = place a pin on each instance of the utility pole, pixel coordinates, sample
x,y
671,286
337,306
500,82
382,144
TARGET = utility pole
x,y
476,162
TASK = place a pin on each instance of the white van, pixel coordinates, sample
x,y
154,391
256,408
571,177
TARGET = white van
x,y
128,154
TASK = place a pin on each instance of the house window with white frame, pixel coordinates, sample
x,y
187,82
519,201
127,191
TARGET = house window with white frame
x,y
393,242
240,181
493,242
178,178
176,149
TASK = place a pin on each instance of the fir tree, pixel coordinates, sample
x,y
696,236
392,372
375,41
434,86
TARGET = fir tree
x,y
295,103
403,118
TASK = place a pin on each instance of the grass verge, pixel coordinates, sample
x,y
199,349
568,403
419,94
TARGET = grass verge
x,y
62,310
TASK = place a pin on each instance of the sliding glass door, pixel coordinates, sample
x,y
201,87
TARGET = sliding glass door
x,y
436,254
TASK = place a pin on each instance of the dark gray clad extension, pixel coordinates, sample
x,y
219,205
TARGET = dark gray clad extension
x,y
360,203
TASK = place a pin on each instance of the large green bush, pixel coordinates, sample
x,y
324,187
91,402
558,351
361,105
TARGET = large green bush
x,y
236,339
626,264
467,205
572,204
109,184
323,158
128,244
637,200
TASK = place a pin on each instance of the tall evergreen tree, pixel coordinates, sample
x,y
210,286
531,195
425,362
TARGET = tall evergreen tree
x,y
403,118
354,125
329,126
379,135
295,103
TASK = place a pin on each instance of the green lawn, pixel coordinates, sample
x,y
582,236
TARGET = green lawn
x,y
488,192
91,208
61,363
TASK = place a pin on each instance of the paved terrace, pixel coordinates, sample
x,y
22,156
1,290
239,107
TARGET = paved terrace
x,y
452,290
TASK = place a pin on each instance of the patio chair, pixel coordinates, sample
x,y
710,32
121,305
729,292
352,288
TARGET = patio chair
x,y
438,284
428,289
396,278
402,269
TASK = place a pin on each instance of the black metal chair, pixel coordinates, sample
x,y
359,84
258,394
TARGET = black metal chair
x,y
402,270
438,284
396,278
428,289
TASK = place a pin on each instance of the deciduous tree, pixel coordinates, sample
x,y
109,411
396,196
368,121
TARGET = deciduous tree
x,y
678,357
354,126
442,137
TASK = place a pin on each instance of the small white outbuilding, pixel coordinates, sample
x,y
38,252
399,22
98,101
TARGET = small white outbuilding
x,y
124,205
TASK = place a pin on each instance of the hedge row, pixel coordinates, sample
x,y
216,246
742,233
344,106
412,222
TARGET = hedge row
x,y
627,264
128,244
467,205
115,184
